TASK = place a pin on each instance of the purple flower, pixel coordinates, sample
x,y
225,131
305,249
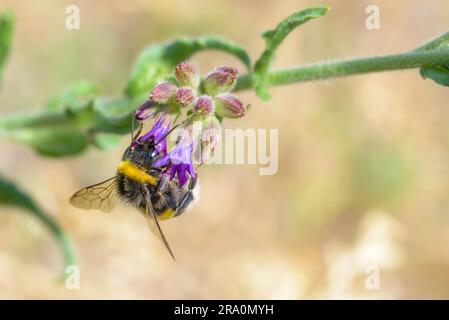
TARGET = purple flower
x,y
179,159
203,101
145,111
158,132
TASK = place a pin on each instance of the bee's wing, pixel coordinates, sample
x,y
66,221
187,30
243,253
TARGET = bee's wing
x,y
101,196
151,217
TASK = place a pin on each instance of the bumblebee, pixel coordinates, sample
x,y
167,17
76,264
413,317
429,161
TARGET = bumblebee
x,y
142,185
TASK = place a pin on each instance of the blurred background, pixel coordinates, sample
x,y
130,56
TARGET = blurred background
x,y
363,171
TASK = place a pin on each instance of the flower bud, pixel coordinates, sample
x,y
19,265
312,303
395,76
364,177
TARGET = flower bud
x,y
229,106
186,75
162,92
220,80
204,105
185,96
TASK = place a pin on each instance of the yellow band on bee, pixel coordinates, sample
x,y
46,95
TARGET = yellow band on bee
x,y
133,172
167,214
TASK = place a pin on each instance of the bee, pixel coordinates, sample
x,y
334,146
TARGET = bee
x,y
143,186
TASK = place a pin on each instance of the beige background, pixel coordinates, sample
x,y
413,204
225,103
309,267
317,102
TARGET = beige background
x,y
363,161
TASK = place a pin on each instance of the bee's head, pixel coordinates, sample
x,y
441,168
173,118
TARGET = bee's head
x,y
143,154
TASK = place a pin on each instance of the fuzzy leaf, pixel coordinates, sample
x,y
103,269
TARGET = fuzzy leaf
x,y
273,39
54,142
438,73
74,97
113,114
105,141
10,194
157,61
439,42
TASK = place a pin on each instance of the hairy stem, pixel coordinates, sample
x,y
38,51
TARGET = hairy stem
x,y
432,53
336,69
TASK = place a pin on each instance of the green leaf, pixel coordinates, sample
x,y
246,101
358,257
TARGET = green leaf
x,y
114,114
32,120
6,33
76,117
105,141
157,61
10,194
69,131
54,142
439,42
438,73
75,97
273,39
114,107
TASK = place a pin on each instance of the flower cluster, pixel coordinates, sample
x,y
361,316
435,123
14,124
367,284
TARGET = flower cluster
x,y
203,101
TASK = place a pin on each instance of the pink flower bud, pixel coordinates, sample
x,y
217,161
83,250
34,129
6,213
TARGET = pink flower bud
x,y
220,80
162,92
204,105
185,96
229,106
186,75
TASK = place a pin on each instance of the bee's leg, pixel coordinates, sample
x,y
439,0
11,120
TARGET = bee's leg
x,y
187,199
192,184
162,185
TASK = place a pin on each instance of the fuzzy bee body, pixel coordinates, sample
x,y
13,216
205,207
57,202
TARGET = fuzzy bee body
x,y
142,185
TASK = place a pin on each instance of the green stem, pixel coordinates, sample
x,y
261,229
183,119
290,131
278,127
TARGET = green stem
x,y
11,194
336,69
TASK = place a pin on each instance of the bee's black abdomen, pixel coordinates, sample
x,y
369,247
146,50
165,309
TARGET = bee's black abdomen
x,y
131,191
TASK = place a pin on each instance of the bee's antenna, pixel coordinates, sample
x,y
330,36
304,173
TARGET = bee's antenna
x,y
134,136
132,128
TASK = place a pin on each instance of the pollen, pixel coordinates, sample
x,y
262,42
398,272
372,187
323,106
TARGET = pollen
x,y
135,173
